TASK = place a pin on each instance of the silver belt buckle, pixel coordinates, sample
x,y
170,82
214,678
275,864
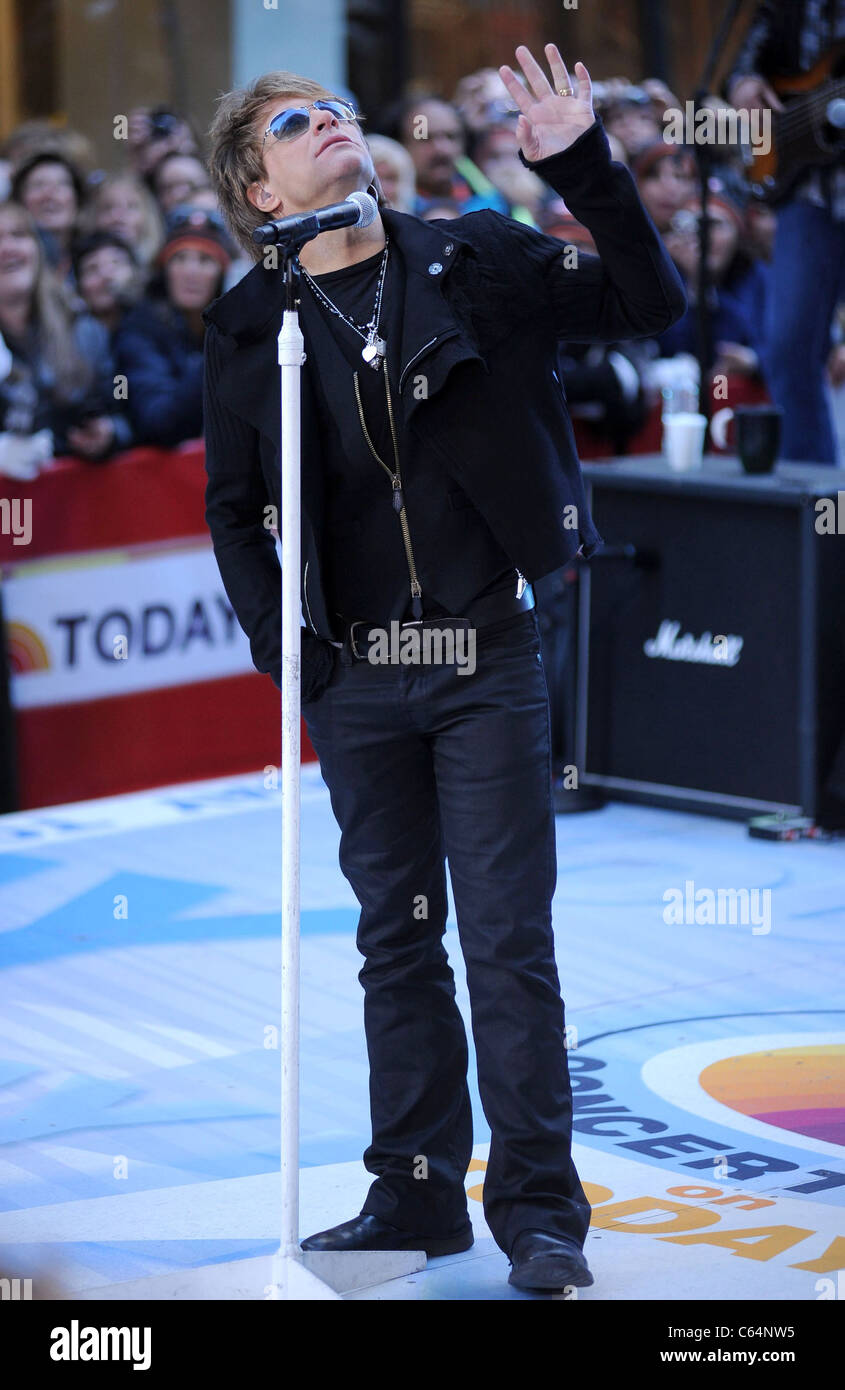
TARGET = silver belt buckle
x,y
521,584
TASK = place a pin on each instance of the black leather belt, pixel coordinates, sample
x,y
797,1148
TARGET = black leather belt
x,y
492,608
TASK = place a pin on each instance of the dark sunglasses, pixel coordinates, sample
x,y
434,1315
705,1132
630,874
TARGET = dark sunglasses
x,y
296,120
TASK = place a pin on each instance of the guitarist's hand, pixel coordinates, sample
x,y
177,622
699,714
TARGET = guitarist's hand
x,y
747,93
734,358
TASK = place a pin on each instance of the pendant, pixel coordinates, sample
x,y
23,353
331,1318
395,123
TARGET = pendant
x,y
374,351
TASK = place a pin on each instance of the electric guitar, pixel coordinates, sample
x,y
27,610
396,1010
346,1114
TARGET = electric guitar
x,y
809,133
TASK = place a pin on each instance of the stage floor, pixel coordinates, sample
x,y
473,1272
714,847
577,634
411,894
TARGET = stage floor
x,y
139,1072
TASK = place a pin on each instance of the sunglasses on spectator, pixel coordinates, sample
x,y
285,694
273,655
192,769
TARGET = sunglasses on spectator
x,y
290,124
187,216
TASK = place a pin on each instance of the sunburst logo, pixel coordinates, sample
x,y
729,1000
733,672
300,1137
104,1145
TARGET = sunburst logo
x,y
796,1088
787,1086
26,649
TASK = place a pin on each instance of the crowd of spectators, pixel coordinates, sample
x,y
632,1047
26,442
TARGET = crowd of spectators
x,y
104,277
103,280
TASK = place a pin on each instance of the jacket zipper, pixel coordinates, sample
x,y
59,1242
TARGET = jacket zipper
x,y
396,481
307,605
408,365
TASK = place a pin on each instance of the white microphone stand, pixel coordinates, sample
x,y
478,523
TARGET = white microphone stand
x,y
297,1273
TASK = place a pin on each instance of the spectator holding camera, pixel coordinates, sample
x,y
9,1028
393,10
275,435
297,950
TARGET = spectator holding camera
x,y
737,291
50,399
110,281
154,133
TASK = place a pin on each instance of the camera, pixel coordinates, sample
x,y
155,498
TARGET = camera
x,y
162,123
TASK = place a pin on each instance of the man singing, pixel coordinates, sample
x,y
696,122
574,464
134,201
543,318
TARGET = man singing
x,y
439,479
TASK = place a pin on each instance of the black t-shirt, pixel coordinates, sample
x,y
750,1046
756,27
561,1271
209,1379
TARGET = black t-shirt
x,y
365,567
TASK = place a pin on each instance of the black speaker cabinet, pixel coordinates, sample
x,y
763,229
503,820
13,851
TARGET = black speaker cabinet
x,y
711,670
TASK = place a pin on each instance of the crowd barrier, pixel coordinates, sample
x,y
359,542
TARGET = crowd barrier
x,y
126,665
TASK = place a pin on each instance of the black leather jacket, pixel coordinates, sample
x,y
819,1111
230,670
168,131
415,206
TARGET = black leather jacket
x,y
487,302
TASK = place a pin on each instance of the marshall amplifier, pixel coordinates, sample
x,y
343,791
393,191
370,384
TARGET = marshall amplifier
x,y
711,664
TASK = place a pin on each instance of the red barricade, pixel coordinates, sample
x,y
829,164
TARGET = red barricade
x,y
127,667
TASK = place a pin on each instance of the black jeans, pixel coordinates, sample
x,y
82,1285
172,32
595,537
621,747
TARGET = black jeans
x,y
424,763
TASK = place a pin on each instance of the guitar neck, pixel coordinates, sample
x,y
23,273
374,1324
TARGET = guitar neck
x,y
803,137
809,106
833,88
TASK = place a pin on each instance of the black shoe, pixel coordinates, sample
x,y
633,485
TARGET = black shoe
x,y
367,1232
540,1260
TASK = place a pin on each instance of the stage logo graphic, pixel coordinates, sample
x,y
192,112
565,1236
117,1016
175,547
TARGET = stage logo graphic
x,y
26,648
800,1089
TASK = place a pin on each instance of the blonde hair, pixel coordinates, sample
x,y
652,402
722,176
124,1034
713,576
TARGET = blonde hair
x,y
151,239
51,313
236,158
387,151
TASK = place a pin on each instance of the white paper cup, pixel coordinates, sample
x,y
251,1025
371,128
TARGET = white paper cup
x,y
683,440
18,459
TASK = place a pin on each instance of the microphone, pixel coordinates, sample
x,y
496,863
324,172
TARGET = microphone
x,y
359,210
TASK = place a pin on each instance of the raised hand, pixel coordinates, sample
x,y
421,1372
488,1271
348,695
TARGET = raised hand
x,y
549,122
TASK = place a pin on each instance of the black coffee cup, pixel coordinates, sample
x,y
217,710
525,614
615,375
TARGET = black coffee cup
x,y
758,430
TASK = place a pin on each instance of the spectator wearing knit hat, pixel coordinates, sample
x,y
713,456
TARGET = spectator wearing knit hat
x,y
159,345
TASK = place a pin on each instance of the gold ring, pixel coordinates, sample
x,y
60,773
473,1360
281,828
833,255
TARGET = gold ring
x,y
567,92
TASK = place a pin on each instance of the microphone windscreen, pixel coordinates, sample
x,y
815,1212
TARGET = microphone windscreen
x,y
368,206
264,234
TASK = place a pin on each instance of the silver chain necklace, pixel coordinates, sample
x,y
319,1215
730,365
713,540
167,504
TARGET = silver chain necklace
x,y
375,347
